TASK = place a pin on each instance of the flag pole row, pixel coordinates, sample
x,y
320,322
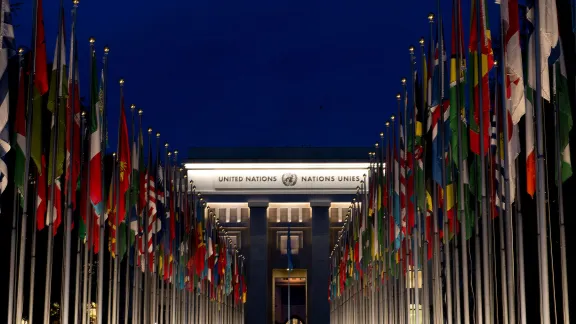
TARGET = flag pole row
x,y
436,232
168,259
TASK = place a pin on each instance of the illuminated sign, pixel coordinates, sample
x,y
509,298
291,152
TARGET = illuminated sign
x,y
281,178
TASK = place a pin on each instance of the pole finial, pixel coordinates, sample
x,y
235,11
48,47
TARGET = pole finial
x,y
132,107
431,17
158,135
398,96
381,134
149,130
421,41
403,81
387,124
92,40
140,112
106,49
392,117
411,49
121,82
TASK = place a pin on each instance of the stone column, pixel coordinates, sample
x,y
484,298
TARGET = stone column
x,y
319,311
258,303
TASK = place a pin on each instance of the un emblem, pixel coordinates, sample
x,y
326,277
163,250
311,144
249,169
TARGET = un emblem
x,y
289,179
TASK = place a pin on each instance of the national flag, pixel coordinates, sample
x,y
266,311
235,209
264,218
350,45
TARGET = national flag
x,y
40,88
485,56
565,122
513,54
7,50
529,135
95,132
57,97
19,140
125,167
289,250
73,134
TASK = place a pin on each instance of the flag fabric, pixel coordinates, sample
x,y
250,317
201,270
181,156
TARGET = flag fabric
x,y
19,140
480,36
125,166
513,53
57,97
529,135
549,38
96,106
289,250
73,134
40,88
565,122
7,50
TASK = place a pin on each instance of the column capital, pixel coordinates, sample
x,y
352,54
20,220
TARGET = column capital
x,y
262,204
320,203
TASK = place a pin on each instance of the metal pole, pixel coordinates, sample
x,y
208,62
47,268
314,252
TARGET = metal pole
x,y
484,205
23,228
77,315
462,173
540,176
68,227
520,249
100,289
563,261
89,216
32,263
511,281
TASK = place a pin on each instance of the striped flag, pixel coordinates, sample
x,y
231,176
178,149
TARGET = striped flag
x,y
6,51
97,99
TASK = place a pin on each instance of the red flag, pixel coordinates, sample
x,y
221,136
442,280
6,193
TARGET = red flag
x,y
40,73
41,196
125,166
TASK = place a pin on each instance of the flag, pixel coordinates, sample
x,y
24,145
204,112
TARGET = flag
x,y
289,250
561,92
549,37
485,56
96,105
40,88
19,140
57,95
125,167
73,134
513,53
6,51
529,135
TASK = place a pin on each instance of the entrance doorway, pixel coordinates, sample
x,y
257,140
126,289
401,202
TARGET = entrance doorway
x,y
289,289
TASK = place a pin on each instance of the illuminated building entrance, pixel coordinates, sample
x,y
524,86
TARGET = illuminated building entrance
x,y
257,194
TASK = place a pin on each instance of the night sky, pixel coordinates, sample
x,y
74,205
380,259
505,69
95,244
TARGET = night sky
x,y
251,73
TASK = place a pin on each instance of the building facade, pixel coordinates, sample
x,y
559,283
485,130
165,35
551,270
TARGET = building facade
x,y
261,194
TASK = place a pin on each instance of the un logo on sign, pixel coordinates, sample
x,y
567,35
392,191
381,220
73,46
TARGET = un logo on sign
x,y
289,179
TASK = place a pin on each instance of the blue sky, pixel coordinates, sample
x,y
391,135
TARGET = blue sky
x,y
251,73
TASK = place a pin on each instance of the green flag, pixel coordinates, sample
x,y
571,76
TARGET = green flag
x,y
565,114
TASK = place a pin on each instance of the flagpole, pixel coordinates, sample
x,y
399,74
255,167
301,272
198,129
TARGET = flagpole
x,y
540,177
511,281
128,221
559,184
484,206
13,236
520,254
79,246
384,253
89,217
116,224
68,227
111,280
22,248
147,218
100,288
137,234
155,268
32,260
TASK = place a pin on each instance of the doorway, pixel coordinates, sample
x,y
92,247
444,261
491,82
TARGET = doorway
x,y
289,296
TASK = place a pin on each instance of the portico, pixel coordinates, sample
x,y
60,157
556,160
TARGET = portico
x,y
259,197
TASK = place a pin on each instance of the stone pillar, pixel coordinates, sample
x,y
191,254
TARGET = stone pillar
x,y
258,303
319,311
